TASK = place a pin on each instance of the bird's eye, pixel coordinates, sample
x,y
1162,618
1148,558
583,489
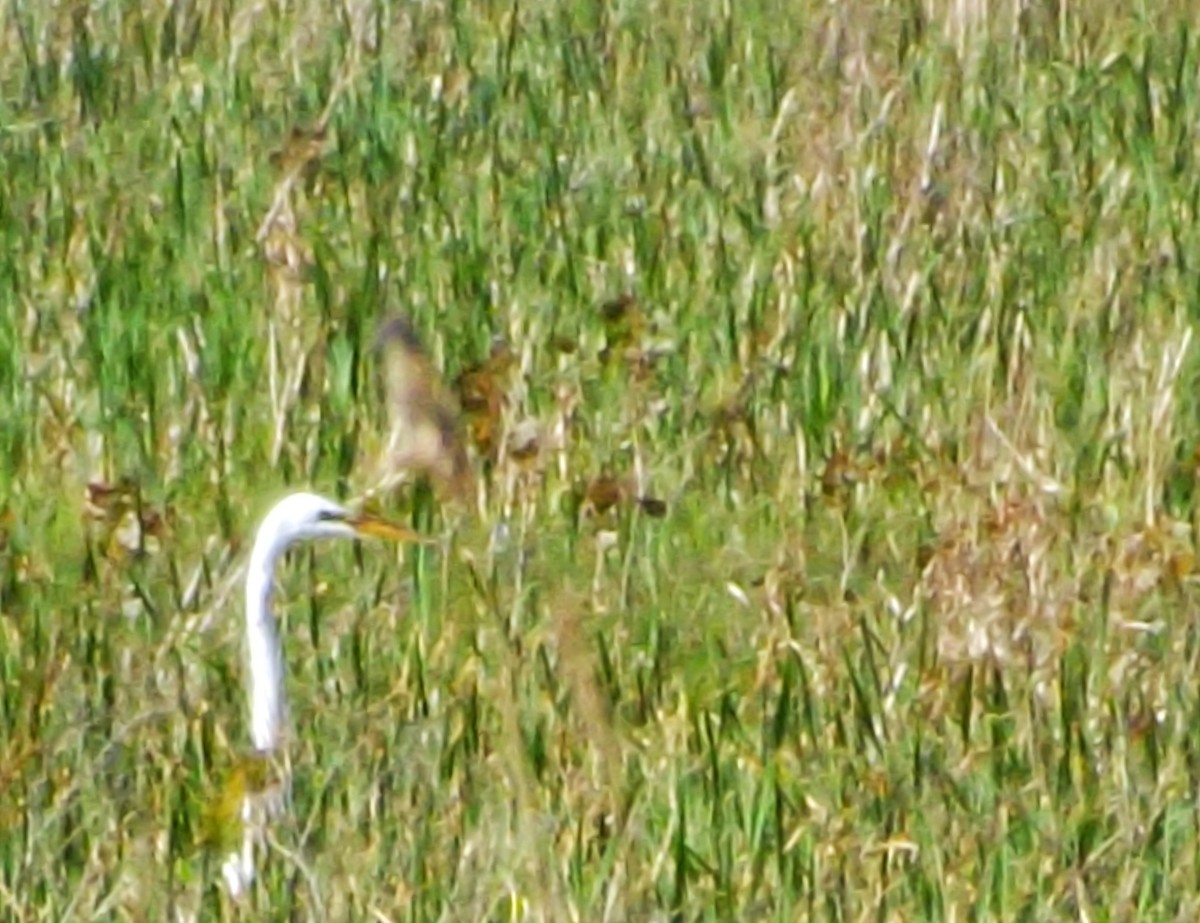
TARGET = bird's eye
x,y
328,516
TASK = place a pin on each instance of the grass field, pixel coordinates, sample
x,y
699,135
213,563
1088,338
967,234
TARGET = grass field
x,y
887,304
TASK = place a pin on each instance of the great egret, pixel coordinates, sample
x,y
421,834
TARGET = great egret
x,y
297,517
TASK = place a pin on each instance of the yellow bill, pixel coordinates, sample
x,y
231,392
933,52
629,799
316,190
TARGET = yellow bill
x,y
378,527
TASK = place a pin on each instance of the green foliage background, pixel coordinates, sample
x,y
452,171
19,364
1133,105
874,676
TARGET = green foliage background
x,y
914,286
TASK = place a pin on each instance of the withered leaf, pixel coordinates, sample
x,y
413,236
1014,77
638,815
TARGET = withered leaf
x,y
301,149
623,323
603,493
481,393
653,507
607,490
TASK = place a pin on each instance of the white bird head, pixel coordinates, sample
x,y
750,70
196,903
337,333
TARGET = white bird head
x,y
302,516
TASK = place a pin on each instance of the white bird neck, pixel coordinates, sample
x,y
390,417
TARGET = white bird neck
x,y
267,707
